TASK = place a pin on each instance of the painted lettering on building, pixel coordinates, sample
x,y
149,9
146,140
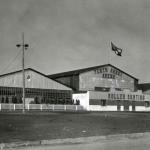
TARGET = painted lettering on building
x,y
118,96
101,70
108,73
115,72
108,76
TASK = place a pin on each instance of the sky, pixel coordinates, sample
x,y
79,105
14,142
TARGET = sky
x,y
65,35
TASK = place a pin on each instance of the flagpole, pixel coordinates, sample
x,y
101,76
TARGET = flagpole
x,y
109,57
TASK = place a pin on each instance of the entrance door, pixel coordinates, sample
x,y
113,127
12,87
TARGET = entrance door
x,y
133,105
126,105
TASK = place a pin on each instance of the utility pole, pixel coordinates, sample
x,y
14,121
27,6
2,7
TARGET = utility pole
x,y
24,47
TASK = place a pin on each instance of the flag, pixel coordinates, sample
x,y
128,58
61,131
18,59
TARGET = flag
x,y
118,51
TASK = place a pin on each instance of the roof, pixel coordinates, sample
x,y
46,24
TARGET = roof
x,y
3,75
21,71
79,71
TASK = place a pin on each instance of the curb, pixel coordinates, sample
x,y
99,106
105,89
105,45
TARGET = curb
x,y
79,140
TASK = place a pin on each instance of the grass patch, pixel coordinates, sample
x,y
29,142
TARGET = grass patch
x,y
33,126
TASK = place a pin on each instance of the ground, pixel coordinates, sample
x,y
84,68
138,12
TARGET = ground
x,y
31,126
117,143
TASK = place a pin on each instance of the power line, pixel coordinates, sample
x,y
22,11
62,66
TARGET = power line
x,y
11,62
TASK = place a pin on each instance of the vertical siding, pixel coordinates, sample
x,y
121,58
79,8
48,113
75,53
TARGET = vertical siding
x,y
32,80
64,80
71,81
89,80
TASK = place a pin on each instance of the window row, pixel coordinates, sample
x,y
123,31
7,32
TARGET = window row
x,y
9,91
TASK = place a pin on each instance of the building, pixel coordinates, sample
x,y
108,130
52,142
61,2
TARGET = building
x,y
98,78
104,88
145,87
98,88
39,88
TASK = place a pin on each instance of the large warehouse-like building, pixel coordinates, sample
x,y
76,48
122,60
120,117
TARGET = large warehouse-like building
x,y
98,78
105,88
39,88
98,88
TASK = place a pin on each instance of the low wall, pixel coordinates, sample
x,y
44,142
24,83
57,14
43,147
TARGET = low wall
x,y
42,107
114,108
102,108
142,108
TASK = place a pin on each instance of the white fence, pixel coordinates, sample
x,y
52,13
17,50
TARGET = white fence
x,y
42,107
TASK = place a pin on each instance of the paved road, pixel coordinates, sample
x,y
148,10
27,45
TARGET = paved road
x,y
142,143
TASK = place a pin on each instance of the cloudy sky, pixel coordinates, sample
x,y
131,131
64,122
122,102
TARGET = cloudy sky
x,y
70,34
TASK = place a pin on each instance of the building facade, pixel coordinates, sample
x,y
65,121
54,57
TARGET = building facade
x,y
38,89
99,78
105,88
99,88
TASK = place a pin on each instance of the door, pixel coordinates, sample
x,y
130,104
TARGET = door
x,y
126,105
118,105
133,105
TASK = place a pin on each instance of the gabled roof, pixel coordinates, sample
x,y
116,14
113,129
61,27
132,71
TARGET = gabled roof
x,y
79,71
3,75
10,73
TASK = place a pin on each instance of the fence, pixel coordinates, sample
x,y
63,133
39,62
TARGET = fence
x,y
41,107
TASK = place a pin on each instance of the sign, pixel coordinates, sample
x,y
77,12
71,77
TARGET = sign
x,y
101,70
108,73
108,76
119,96
115,72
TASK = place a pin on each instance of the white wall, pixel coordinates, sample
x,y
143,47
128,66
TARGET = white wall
x,y
102,108
83,98
84,101
142,108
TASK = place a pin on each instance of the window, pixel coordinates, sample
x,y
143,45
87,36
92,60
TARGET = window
x,y
118,89
103,89
95,102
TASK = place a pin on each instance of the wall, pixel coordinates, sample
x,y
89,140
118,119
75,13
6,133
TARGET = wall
x,y
105,77
127,100
102,108
71,81
32,80
83,98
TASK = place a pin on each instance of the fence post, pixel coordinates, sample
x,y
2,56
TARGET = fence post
x,y
28,107
53,108
14,107
9,107
41,107
0,106
65,107
76,107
